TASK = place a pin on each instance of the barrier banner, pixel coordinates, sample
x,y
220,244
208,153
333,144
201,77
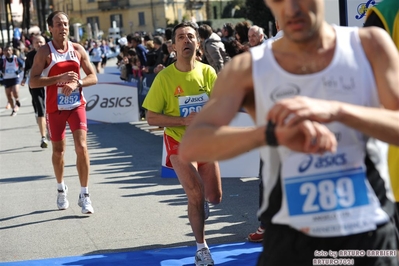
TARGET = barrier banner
x,y
356,11
112,100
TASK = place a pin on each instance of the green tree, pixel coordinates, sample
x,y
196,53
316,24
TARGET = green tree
x,y
237,7
260,14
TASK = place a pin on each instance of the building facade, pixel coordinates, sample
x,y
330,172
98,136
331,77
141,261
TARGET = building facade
x,y
131,15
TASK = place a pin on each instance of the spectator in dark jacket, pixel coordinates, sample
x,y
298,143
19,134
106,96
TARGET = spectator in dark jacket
x,y
159,62
172,54
151,70
213,47
137,43
228,39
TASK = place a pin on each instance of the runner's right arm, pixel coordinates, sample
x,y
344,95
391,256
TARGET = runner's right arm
x,y
161,120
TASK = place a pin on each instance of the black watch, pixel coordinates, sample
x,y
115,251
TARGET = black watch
x,y
270,133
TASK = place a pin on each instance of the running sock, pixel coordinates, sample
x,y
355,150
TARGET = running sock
x,y
201,245
84,190
61,186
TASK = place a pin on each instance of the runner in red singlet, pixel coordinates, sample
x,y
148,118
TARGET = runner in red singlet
x,y
57,67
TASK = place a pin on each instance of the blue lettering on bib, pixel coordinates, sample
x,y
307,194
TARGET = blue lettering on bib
x,y
189,104
68,102
327,192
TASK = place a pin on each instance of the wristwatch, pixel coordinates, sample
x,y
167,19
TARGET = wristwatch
x,y
80,83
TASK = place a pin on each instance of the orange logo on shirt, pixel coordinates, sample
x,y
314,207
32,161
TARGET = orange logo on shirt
x,y
178,91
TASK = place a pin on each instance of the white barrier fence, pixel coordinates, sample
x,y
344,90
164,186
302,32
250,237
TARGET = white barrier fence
x,y
112,100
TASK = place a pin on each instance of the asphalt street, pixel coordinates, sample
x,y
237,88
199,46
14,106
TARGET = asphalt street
x,y
135,208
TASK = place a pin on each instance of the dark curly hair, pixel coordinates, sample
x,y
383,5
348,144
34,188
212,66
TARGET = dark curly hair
x,y
241,29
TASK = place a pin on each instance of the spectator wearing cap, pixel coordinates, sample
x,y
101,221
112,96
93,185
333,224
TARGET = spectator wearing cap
x,y
213,47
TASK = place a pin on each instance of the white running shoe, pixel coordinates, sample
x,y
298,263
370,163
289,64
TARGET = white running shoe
x,y
85,202
203,258
62,201
43,143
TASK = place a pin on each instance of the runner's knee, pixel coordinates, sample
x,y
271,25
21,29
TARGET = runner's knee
x,y
214,199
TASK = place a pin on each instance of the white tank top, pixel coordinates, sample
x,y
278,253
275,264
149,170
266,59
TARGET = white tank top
x,y
330,194
10,68
96,55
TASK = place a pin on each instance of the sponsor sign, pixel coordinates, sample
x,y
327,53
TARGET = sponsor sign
x,y
112,101
356,11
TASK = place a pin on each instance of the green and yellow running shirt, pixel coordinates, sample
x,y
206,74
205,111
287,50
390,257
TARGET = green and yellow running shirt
x,y
177,93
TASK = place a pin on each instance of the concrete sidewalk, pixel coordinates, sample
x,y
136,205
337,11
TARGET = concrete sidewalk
x,y
135,209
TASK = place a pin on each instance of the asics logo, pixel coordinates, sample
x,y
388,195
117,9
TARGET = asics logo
x,y
323,162
194,99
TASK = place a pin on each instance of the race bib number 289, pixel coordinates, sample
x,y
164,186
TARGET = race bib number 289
x,y
318,194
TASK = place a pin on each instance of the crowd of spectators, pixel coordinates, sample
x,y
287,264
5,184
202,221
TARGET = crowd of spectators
x,y
142,56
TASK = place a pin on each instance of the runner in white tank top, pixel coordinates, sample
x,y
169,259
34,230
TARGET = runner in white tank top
x,y
321,193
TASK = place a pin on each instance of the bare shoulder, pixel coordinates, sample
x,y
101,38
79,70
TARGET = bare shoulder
x,y
234,83
43,55
241,62
43,51
374,38
77,46
238,71
384,60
